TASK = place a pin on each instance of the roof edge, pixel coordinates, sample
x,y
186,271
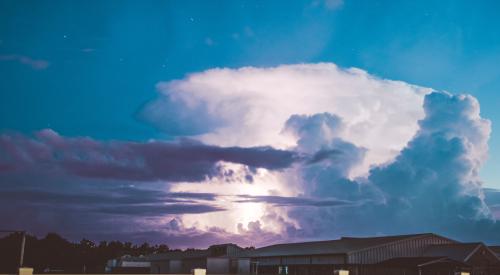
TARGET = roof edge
x,y
410,237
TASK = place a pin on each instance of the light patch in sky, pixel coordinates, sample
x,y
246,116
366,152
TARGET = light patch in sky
x,y
232,182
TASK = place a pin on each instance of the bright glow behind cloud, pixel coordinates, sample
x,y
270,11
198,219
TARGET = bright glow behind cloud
x,y
227,187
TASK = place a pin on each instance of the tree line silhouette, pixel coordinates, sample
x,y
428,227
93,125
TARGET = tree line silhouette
x,y
55,254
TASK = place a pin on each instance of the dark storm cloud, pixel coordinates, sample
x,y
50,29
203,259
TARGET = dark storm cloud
x,y
159,210
150,161
56,183
198,196
324,155
104,197
82,208
294,201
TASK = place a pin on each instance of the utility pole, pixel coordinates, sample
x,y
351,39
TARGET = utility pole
x,y
23,243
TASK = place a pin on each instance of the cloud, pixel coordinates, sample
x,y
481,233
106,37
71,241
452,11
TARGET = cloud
x,y
432,185
293,201
36,64
395,149
319,136
117,196
333,4
159,210
249,107
492,199
150,161
82,208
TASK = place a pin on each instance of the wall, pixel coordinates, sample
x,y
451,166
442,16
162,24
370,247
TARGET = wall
x,y
218,265
291,260
243,266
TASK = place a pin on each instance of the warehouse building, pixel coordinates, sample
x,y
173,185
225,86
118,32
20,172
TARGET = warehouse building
x,y
420,254
496,249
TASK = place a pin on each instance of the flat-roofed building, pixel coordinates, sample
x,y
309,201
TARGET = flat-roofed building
x,y
128,265
217,259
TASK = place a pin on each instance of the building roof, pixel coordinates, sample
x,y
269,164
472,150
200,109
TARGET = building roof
x,y
129,258
420,262
341,246
495,248
177,255
457,251
197,253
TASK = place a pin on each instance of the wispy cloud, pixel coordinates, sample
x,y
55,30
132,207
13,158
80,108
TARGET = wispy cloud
x,y
333,4
36,64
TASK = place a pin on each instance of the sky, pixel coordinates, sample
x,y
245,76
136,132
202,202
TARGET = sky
x,y
255,122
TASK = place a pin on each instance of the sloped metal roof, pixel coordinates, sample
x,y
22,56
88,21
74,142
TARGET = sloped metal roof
x,y
341,246
458,251
495,248
419,262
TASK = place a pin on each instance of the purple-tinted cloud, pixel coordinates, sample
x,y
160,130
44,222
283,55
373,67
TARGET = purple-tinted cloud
x,y
177,235
114,197
159,210
150,161
36,64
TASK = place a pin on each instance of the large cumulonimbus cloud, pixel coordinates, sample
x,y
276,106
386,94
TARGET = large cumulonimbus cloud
x,y
293,152
401,153
432,185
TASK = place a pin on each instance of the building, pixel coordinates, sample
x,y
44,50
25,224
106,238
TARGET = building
x,y
217,259
129,265
425,254
478,256
418,254
496,249
419,265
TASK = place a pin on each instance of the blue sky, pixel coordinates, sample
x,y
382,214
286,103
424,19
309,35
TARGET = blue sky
x,y
113,53
88,68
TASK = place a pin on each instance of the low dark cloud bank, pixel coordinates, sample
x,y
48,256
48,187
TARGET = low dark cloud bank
x,y
150,161
83,187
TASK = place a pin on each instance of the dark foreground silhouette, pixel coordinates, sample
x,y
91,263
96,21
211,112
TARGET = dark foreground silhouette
x,y
55,254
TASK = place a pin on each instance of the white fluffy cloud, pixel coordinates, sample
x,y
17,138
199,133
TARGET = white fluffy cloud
x,y
249,107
